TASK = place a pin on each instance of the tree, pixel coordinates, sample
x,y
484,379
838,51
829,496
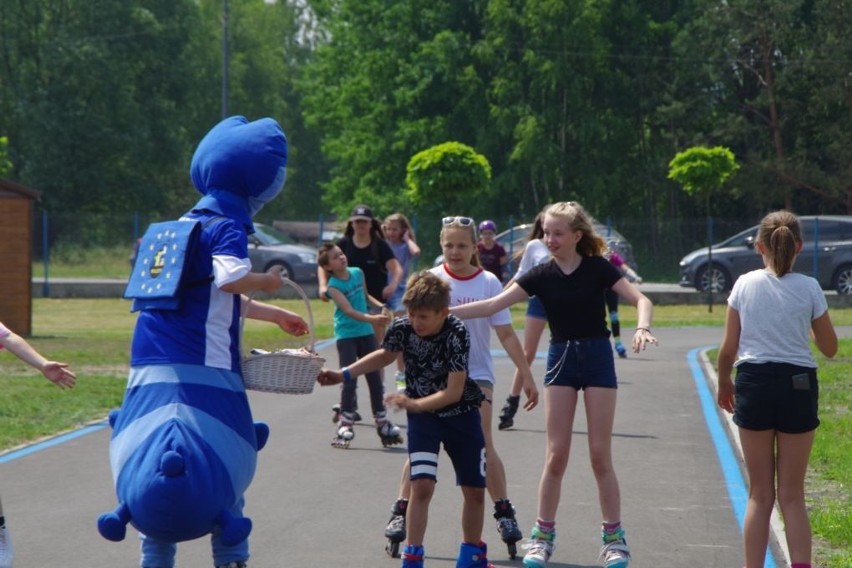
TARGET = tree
x,y
5,162
447,177
701,170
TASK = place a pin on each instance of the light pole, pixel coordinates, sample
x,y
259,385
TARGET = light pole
x,y
225,58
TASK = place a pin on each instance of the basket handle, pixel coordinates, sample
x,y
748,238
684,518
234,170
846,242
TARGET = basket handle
x,y
304,297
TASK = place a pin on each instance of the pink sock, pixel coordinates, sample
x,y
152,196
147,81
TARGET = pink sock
x,y
611,527
545,526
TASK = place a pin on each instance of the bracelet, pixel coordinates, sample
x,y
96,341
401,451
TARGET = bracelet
x,y
347,376
648,329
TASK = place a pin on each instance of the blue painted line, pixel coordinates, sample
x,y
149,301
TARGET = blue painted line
x,y
737,488
61,439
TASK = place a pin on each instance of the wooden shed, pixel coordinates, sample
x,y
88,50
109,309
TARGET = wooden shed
x,y
16,255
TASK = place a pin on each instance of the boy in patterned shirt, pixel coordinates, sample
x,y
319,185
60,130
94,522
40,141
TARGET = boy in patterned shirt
x,y
442,406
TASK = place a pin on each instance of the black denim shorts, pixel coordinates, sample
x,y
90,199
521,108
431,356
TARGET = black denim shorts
x,y
776,396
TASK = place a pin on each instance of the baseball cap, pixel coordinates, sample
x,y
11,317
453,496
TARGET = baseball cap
x,y
361,212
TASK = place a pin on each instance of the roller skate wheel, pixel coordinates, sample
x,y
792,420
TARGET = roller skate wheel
x,y
392,548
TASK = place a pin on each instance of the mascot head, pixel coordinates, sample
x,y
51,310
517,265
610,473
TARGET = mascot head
x,y
240,166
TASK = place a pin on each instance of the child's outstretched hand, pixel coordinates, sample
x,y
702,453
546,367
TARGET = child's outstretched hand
x,y
329,377
381,319
641,338
399,401
292,323
59,374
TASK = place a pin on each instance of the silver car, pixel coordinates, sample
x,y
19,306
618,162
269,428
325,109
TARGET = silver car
x,y
270,247
826,255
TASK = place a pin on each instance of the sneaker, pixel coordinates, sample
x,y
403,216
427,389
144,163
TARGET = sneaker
x,y
5,548
539,548
237,564
619,348
399,377
614,553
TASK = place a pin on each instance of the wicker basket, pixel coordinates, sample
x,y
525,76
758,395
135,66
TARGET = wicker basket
x,y
290,371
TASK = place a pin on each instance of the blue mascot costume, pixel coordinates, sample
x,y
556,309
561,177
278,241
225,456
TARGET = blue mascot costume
x,y
184,445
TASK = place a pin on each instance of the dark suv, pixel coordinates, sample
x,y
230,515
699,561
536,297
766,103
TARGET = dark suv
x,y
826,255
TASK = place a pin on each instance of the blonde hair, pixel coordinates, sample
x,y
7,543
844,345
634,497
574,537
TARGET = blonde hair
x,y
471,230
591,243
403,222
780,235
426,291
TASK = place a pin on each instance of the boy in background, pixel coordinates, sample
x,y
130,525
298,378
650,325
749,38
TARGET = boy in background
x,y
442,406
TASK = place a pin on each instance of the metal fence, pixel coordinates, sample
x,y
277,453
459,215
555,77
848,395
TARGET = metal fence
x,y
658,245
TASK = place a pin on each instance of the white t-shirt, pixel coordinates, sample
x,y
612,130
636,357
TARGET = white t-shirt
x,y
775,316
535,252
464,290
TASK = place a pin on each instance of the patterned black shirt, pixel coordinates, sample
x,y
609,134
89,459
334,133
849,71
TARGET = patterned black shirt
x,y
430,360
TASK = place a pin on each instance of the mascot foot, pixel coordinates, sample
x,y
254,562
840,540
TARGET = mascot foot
x,y
234,529
113,526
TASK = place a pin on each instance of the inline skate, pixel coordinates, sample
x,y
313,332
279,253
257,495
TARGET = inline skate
x,y
473,556
335,414
614,553
389,433
412,556
507,526
395,531
345,431
507,414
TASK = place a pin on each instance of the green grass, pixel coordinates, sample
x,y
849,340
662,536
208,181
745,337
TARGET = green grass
x,y
89,262
830,473
94,336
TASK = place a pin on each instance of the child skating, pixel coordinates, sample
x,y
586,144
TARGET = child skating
x,y
470,282
442,406
353,331
571,287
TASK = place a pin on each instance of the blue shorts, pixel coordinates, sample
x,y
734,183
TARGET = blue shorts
x,y
776,396
462,438
581,363
535,309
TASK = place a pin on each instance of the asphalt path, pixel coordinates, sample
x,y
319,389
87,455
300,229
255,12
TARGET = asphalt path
x,y
313,505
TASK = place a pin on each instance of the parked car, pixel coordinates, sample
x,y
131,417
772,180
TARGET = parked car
x,y
270,247
828,239
515,239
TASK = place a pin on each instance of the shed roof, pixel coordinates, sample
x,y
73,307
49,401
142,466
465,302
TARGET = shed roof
x,y
9,186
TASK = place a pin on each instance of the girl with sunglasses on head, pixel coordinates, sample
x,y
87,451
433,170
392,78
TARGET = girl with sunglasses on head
x,y
571,288
470,282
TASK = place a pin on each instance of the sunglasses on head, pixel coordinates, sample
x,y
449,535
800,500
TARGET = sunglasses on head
x,y
463,221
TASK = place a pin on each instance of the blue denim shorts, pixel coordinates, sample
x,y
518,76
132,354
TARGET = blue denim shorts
x,y
535,309
581,363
